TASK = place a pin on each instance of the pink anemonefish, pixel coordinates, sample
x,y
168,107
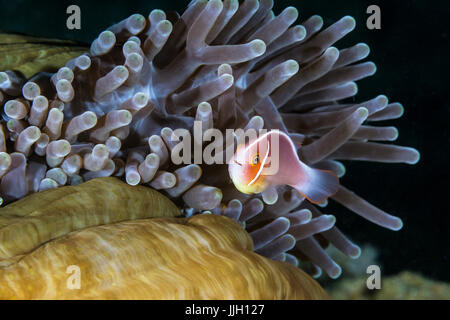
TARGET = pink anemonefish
x,y
272,160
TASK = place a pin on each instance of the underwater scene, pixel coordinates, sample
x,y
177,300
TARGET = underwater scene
x,y
224,150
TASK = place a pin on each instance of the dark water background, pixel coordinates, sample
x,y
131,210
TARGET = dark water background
x,y
412,54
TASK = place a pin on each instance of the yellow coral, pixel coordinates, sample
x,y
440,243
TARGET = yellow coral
x,y
406,285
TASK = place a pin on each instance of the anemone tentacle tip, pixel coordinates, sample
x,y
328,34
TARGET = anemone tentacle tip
x,y
397,225
258,46
356,253
336,272
415,157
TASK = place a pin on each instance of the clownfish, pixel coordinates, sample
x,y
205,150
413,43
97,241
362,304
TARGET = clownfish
x,y
271,160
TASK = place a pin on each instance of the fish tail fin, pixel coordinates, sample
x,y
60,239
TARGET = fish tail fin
x,y
317,185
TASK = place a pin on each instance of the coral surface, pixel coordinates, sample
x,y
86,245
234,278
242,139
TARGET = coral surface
x,y
406,285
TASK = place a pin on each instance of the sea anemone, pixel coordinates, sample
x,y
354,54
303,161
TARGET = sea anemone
x,y
113,112
109,240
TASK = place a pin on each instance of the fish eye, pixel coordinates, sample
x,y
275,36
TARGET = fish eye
x,y
255,160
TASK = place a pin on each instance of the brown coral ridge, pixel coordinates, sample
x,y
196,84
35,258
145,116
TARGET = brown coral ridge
x,y
203,257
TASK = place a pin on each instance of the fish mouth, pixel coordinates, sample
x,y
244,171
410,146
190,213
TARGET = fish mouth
x,y
238,163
